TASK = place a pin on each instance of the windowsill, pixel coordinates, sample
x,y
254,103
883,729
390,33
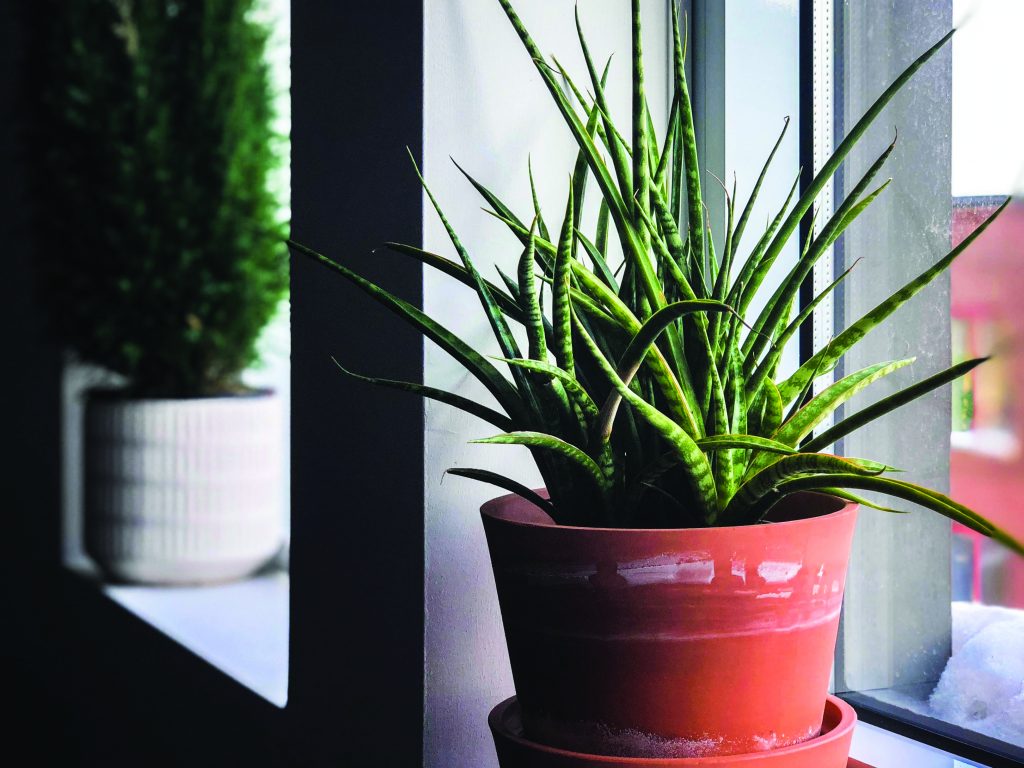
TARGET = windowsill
x,y
880,748
239,628
994,443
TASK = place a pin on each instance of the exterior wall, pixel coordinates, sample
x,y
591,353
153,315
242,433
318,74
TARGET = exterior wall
x,y
987,289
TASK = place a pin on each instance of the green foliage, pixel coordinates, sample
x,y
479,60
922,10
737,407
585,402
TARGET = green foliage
x,y
162,255
652,399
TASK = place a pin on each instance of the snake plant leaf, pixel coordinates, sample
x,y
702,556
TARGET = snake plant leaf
x,y
721,283
655,151
506,303
601,235
852,207
745,287
530,302
641,344
741,224
692,459
709,387
854,333
472,360
579,171
805,393
545,251
601,268
493,478
778,308
736,399
708,391
513,289
491,416
665,160
594,311
542,227
641,139
492,199
469,358
916,494
857,499
772,418
620,160
618,137
559,446
818,409
756,491
677,250
675,194
553,402
616,203
631,238
891,403
828,170
499,326
681,403
579,395
725,268
695,206
751,442
757,377
585,408
560,288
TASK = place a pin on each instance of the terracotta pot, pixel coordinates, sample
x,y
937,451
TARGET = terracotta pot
x,y
829,749
673,642
183,491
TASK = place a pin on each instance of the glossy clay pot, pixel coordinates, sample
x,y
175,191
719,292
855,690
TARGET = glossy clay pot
x,y
829,749
671,642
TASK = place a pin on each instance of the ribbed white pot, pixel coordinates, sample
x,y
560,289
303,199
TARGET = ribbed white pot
x,y
183,491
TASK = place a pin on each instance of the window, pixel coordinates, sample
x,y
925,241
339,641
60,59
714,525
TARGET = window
x,y
216,622
933,629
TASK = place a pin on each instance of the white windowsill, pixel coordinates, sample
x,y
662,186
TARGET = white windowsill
x,y
240,628
880,748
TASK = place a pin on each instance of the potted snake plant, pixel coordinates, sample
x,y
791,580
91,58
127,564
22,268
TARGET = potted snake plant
x,y
161,262
685,561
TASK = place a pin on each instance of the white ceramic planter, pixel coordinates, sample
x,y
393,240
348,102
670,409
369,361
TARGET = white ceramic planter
x,y
183,491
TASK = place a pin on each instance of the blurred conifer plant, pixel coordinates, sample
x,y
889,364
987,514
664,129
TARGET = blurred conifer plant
x,y
163,254
652,398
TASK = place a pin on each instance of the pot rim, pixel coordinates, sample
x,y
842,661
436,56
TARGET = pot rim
x,y
846,723
487,509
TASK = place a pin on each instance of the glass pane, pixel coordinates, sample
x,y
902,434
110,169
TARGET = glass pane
x,y
981,686
969,143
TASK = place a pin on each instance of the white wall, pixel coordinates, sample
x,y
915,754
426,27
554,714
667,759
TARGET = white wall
x,y
485,105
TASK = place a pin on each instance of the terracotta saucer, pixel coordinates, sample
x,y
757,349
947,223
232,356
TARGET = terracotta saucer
x,y
828,750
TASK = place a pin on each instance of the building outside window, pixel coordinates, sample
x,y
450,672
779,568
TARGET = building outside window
x,y
934,629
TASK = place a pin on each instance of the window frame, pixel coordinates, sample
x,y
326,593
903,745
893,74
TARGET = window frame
x,y
93,683
823,73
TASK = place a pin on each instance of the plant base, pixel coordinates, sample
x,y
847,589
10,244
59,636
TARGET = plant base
x,y
830,749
